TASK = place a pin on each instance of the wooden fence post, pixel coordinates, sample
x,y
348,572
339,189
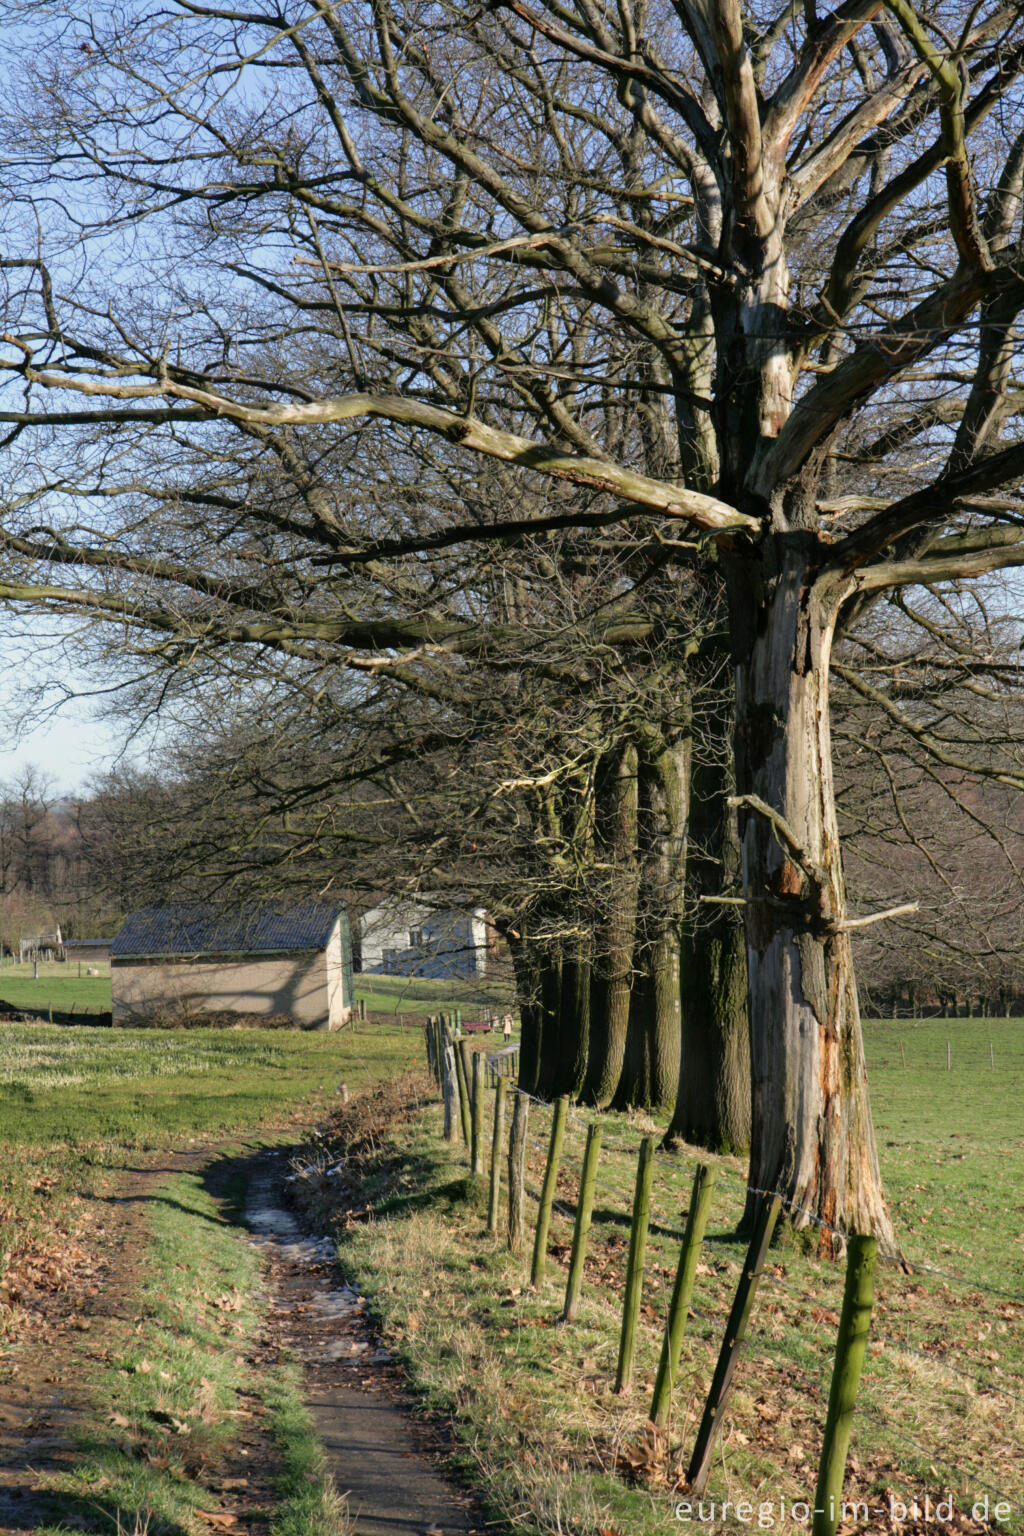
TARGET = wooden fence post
x,y
462,1067
635,1263
547,1193
449,1088
517,1174
851,1342
581,1229
903,1057
735,1329
675,1327
476,1158
500,1089
428,1030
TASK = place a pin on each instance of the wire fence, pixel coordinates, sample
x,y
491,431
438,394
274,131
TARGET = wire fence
x,y
917,1395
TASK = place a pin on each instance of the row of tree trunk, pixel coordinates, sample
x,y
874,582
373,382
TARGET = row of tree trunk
x,y
644,1005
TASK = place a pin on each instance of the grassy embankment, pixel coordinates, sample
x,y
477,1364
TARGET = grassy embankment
x,y
170,1391
942,1400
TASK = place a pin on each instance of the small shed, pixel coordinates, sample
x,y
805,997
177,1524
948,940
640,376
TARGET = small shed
x,y
87,951
259,959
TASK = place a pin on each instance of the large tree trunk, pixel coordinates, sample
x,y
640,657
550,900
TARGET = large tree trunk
x,y
612,969
573,1021
526,966
651,1068
550,1009
811,1133
712,1106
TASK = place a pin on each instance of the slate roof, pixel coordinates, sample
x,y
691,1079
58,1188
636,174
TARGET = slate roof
x,y
201,930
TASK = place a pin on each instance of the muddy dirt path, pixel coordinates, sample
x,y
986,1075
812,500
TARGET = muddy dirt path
x,y
388,1466
381,1460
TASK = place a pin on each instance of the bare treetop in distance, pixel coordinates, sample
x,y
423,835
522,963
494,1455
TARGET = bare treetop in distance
x,y
747,277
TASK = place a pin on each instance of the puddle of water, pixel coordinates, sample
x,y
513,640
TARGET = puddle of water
x,y
272,1224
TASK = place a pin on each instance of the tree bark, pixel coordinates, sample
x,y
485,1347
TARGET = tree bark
x,y
573,1021
712,1106
549,1007
713,1102
612,971
525,964
811,1132
651,1066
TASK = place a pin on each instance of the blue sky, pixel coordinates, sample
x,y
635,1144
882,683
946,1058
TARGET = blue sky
x,y
68,747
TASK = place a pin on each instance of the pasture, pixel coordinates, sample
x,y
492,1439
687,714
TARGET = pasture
x,y
537,1424
62,988
941,1407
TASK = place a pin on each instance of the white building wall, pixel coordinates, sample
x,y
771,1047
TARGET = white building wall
x,y
392,927
339,1008
280,984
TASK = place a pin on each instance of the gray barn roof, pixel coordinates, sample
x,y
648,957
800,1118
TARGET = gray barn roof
x,y
202,930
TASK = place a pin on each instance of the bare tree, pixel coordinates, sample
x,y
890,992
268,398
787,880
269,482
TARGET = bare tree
x,y
762,229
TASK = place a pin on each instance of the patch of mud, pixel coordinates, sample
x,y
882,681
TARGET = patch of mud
x,y
387,1471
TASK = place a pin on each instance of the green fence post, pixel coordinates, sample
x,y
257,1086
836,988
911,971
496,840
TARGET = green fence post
x,y
735,1330
462,1066
500,1090
517,1174
635,1263
547,1193
581,1230
675,1327
476,1157
851,1343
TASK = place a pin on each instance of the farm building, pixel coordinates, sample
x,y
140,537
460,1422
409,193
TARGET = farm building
x,y
294,962
41,946
405,936
87,951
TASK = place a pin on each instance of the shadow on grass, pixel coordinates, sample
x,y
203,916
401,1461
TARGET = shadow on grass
x,y
27,1508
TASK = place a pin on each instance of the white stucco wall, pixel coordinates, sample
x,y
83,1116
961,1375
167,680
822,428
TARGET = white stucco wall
x,y
390,926
306,986
339,1008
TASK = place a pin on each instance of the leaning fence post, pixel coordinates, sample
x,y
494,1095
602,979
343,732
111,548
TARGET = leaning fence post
x,y
547,1193
635,1263
476,1158
500,1089
735,1329
581,1229
462,1067
449,1088
689,1253
851,1342
517,1174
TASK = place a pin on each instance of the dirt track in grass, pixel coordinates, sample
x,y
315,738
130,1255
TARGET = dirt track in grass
x,y
82,1305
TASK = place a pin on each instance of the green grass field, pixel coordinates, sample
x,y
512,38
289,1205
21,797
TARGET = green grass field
x,y
942,1401
941,1405
59,988
421,995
